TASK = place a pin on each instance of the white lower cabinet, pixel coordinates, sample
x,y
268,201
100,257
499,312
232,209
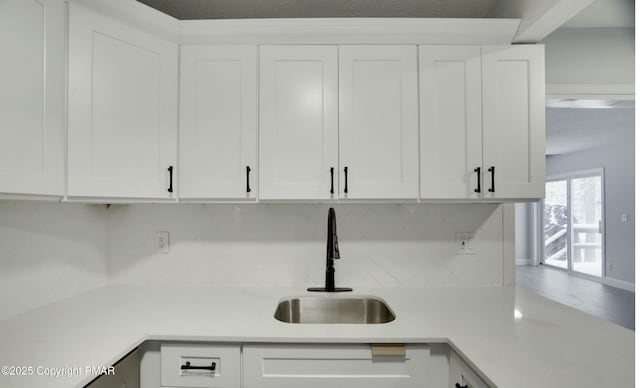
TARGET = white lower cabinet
x,y
321,366
273,365
461,375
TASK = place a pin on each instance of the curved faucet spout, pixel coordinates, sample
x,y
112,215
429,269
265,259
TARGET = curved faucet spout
x,y
333,252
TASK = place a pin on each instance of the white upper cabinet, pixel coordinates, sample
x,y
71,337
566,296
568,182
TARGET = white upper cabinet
x,y
218,122
378,122
122,109
482,122
298,122
450,122
32,97
513,121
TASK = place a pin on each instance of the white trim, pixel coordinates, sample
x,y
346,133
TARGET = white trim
x,y
508,244
520,262
591,91
350,31
621,284
628,286
31,197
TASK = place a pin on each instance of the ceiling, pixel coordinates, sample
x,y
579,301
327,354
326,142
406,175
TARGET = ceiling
x,y
605,13
242,9
601,13
570,130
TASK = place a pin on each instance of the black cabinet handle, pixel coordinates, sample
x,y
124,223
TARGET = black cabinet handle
x,y
477,171
188,365
492,170
248,171
170,189
346,186
331,169
461,386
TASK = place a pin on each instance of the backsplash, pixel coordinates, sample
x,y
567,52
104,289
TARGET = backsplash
x,y
49,251
389,245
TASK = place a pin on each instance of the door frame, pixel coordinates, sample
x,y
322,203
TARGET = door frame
x,y
568,176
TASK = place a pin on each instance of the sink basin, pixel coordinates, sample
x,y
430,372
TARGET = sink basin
x,y
363,310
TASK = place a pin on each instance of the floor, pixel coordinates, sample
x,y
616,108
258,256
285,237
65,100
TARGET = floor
x,y
609,303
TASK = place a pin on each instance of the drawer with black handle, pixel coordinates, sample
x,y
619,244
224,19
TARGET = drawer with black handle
x,y
195,365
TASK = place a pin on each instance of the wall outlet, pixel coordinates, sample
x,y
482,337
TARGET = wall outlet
x,y
610,267
465,244
162,242
624,217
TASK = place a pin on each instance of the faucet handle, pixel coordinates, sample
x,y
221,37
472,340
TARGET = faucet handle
x,y
336,251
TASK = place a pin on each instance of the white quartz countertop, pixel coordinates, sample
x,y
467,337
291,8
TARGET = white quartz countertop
x,y
550,345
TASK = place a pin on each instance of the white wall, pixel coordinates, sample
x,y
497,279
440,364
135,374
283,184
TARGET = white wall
x,y
523,233
49,251
618,162
590,56
284,245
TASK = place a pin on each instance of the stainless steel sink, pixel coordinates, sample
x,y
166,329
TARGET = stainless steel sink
x,y
363,310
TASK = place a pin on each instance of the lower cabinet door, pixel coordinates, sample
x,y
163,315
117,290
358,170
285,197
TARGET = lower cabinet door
x,y
461,374
200,365
333,366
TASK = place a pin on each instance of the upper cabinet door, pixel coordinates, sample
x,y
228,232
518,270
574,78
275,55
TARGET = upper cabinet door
x,y
218,122
298,122
32,96
450,122
122,109
378,122
513,141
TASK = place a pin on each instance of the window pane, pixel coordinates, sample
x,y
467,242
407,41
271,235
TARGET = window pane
x,y
586,207
556,224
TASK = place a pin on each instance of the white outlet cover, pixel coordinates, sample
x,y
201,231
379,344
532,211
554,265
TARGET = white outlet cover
x,y
162,242
465,244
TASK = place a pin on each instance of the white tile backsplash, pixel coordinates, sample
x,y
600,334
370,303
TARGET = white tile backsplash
x,y
49,251
284,244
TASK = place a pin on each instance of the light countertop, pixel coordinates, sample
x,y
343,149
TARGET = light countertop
x,y
547,345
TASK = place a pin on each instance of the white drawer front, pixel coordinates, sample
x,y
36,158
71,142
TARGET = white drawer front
x,y
226,358
322,366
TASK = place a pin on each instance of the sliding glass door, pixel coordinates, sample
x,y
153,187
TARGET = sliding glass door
x,y
573,222
556,225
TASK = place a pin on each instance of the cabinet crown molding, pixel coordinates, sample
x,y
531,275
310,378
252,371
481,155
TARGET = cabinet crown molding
x,y
350,31
442,31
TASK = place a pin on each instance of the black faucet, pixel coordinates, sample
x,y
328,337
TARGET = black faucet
x,y
333,253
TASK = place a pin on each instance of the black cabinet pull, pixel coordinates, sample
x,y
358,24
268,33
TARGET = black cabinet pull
x,y
492,170
188,365
331,169
346,187
477,171
461,386
248,171
170,189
